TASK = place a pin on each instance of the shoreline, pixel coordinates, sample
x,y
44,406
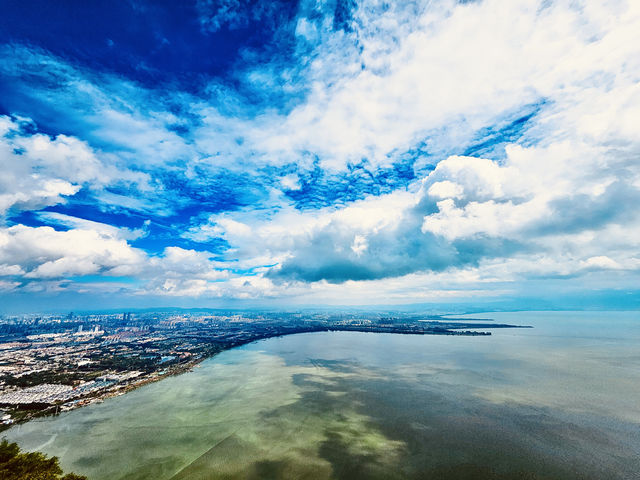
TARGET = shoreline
x,y
154,377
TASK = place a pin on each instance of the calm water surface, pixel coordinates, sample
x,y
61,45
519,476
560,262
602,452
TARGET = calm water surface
x,y
559,401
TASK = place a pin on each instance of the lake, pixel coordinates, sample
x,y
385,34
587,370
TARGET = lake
x,y
558,401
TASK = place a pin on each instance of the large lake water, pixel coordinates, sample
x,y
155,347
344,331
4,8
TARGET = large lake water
x,y
559,401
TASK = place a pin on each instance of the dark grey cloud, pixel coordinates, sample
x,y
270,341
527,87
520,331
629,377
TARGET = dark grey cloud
x,y
578,212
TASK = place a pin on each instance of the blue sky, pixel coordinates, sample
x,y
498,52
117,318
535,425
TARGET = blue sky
x,y
215,153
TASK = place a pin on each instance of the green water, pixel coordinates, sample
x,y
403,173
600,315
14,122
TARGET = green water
x,y
559,401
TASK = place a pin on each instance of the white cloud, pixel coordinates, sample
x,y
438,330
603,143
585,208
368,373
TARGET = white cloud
x,y
83,224
39,170
43,252
8,286
10,270
178,262
460,66
290,182
259,239
39,257
359,244
445,189
601,261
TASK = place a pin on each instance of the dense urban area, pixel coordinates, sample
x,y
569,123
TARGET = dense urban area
x,y
53,363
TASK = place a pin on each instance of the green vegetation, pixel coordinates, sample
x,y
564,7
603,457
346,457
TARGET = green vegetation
x,y
121,363
17,465
64,377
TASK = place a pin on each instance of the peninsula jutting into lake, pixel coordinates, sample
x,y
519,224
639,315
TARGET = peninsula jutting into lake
x,y
59,362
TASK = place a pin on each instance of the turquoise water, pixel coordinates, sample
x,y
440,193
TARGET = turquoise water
x,y
561,400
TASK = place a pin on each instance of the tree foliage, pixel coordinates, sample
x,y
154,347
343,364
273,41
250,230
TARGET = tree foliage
x,y
17,465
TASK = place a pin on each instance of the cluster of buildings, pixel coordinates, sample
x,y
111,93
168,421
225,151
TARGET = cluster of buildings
x,y
62,397
52,362
39,394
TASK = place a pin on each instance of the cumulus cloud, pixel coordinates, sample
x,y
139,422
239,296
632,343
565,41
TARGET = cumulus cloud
x,y
258,239
471,210
43,252
36,259
535,206
39,170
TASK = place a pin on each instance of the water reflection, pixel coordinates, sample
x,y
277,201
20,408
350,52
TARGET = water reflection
x,y
556,401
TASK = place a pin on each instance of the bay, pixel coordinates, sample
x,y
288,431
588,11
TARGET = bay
x,y
560,400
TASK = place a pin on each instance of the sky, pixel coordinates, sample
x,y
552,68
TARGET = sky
x,y
330,152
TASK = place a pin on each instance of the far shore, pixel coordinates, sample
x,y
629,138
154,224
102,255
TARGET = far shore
x,y
186,367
